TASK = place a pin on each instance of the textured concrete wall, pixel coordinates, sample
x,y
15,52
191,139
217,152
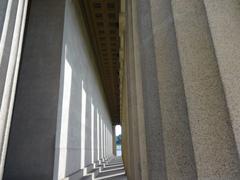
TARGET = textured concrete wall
x,y
83,116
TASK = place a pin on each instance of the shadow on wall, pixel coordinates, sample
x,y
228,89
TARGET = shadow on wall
x,y
84,130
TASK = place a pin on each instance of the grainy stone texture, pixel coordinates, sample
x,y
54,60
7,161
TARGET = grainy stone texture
x,y
224,21
142,164
214,146
179,157
152,113
180,91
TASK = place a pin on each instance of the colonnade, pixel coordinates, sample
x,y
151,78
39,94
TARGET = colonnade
x,y
179,80
180,89
60,123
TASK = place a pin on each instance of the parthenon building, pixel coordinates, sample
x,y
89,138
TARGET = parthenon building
x,y
167,71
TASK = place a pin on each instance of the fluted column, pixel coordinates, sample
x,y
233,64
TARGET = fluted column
x,y
143,163
224,22
176,131
152,114
213,141
133,141
185,78
114,140
132,98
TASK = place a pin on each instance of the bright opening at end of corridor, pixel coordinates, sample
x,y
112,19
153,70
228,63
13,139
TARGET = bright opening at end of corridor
x,y
118,140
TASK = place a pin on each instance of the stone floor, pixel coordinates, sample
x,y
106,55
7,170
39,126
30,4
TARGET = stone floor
x,y
113,169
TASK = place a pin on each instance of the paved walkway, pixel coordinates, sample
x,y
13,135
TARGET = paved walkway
x,y
113,170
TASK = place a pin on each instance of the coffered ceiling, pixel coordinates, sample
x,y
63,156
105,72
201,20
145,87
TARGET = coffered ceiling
x,y
102,19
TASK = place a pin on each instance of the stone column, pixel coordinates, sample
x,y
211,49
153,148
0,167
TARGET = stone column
x,y
95,135
104,141
32,139
93,140
124,93
152,113
213,141
12,25
114,140
132,98
124,122
176,131
142,164
101,138
98,136
224,21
